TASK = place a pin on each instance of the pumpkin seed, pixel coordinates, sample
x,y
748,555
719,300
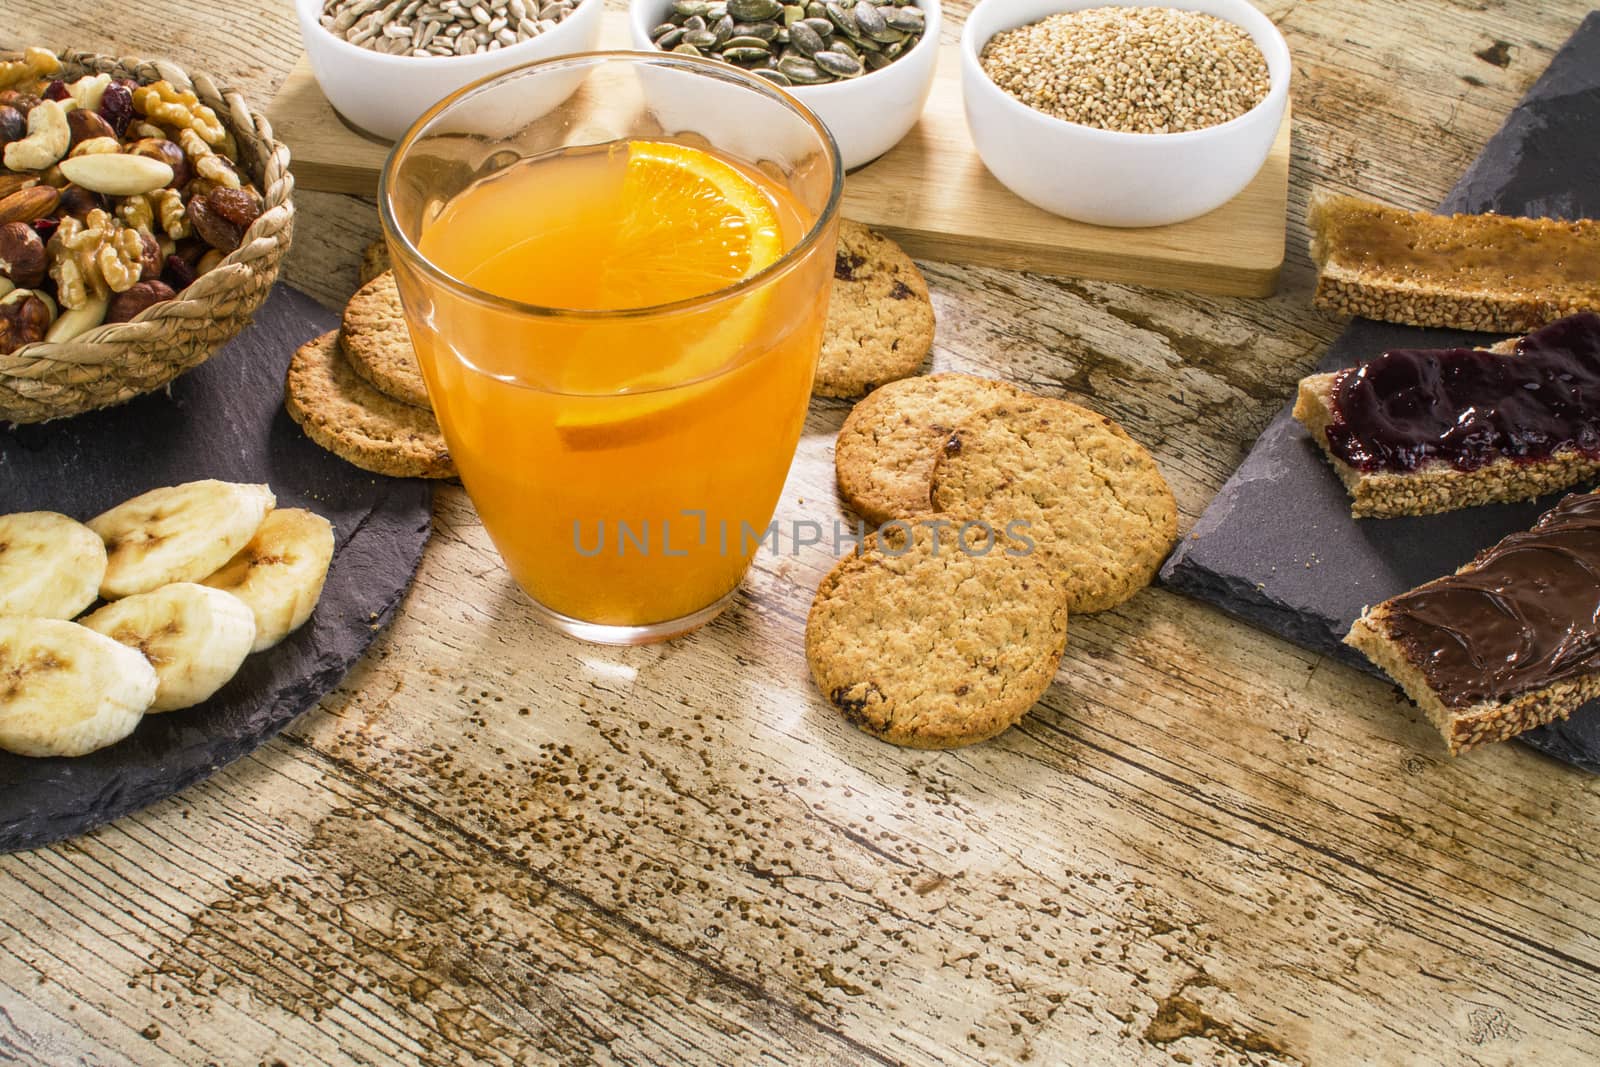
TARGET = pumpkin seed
x,y
906,19
806,41
799,43
754,10
839,64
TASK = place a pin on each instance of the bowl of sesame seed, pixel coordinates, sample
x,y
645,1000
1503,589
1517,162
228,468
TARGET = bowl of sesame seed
x,y
1124,113
382,63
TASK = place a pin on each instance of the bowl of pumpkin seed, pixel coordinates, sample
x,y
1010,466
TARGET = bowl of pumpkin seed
x,y
864,66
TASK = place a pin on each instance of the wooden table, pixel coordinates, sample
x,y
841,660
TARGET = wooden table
x,y
494,845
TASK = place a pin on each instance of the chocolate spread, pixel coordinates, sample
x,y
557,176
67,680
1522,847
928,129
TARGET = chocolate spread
x,y
1525,616
1468,407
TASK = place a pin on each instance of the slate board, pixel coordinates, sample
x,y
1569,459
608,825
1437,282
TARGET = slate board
x,y
225,420
1277,547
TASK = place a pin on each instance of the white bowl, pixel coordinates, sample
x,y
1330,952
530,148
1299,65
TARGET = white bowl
x,y
1104,176
867,115
383,94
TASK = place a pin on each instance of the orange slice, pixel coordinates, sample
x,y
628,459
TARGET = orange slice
x,y
690,225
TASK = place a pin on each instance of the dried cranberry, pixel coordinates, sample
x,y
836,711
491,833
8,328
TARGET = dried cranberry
x,y
179,274
45,228
116,107
57,90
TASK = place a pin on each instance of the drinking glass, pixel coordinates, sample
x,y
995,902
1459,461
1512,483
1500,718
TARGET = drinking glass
x,y
625,462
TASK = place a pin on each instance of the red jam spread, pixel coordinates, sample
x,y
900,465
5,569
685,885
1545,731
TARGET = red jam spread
x,y
1468,407
1525,616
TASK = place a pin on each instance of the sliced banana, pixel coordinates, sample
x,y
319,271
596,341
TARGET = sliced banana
x,y
279,574
178,534
194,635
50,565
66,690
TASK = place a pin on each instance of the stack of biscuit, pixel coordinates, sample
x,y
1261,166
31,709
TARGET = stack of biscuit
x,y
358,391
1001,513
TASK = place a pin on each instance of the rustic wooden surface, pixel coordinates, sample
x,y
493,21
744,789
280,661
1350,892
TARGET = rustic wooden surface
x,y
494,845
931,192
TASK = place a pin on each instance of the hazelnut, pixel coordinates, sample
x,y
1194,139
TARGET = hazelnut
x,y
78,201
22,256
126,305
86,126
167,152
22,322
13,124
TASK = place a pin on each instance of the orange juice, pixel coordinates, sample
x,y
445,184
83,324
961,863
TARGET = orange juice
x,y
625,463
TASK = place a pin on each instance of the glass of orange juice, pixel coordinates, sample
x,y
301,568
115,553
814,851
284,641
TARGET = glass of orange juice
x,y
615,269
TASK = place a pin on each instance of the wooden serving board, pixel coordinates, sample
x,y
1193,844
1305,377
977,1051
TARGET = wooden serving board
x,y
930,192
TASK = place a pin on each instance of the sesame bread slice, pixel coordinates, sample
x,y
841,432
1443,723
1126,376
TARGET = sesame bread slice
x,y
1490,273
1436,486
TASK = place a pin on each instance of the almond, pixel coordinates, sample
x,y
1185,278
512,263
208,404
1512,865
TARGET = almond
x,y
25,205
117,175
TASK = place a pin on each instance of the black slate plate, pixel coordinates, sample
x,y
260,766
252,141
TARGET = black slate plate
x,y
1277,547
223,420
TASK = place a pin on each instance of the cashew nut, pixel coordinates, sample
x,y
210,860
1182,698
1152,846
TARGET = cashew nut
x,y
47,140
87,91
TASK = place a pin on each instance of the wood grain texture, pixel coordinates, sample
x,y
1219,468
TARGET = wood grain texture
x,y
931,192
492,845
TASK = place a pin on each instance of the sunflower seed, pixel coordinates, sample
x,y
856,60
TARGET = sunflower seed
x,y
430,28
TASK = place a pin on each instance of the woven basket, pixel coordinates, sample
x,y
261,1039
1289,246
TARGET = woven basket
x,y
112,364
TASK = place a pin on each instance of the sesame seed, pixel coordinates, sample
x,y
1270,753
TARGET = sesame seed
x,y
1131,69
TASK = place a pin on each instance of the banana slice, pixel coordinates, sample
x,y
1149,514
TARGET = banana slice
x,y
178,534
50,566
66,690
279,574
195,636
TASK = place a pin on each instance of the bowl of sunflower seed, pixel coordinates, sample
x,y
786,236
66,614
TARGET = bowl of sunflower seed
x,y
864,66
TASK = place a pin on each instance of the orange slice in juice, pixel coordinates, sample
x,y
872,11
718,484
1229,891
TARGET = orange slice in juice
x,y
691,224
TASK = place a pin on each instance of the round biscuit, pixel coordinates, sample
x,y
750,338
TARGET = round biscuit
x,y
880,320
883,458
920,643
377,342
345,415
1091,496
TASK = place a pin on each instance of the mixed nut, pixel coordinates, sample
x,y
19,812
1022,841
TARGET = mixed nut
x,y
113,196
794,44
424,28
